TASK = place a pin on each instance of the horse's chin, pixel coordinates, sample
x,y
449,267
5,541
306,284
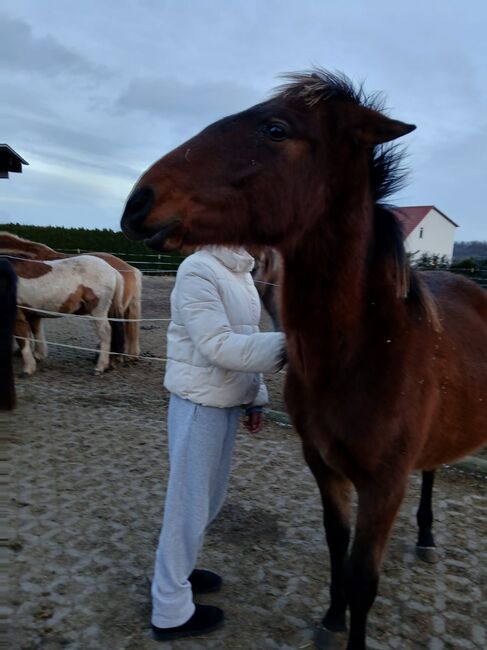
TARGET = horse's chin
x,y
168,238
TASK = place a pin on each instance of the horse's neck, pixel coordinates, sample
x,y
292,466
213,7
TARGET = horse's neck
x,y
36,251
329,299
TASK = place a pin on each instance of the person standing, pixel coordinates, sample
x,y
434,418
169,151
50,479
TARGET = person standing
x,y
215,357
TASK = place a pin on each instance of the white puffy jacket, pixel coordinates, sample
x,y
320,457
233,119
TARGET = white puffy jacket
x,y
215,352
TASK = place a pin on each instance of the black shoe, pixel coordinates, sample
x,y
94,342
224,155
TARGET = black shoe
x,y
204,582
206,618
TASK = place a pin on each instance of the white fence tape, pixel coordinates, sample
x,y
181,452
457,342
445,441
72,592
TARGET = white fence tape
x,y
79,347
88,317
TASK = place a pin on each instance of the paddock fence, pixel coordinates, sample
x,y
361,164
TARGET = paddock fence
x,y
77,340
167,265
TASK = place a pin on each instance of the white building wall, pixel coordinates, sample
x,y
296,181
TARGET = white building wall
x,y
434,235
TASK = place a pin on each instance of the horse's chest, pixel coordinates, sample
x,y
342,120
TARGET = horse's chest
x,y
322,419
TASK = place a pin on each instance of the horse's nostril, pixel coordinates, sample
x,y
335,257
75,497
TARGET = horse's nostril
x,y
138,206
139,199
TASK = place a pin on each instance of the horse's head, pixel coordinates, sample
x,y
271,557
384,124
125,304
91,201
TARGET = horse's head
x,y
263,176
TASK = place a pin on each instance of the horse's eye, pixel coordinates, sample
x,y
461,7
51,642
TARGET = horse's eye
x,y
276,132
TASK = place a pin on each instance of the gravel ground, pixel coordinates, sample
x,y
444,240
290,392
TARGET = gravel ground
x,y
87,472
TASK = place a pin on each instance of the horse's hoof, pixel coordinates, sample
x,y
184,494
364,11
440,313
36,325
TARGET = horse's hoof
x,y
97,373
25,375
325,639
427,554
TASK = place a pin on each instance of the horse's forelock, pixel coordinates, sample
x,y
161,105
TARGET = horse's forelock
x,y
317,85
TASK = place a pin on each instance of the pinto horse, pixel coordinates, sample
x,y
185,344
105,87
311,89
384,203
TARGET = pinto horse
x,y
76,285
387,366
8,308
132,281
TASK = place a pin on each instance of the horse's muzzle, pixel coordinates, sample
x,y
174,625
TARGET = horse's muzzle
x,y
138,207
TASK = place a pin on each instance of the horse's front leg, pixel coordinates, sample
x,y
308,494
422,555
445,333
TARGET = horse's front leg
x,y
378,504
426,547
335,493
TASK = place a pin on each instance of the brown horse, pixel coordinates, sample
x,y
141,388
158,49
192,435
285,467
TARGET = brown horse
x,y
267,276
387,366
132,281
8,309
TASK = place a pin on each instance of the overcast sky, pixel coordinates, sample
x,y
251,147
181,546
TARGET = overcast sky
x,y
93,92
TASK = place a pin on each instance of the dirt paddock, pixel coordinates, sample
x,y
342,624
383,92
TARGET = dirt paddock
x,y
87,471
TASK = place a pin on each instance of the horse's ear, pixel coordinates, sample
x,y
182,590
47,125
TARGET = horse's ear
x,y
372,128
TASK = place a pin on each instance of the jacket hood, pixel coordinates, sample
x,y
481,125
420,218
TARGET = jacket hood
x,y
235,259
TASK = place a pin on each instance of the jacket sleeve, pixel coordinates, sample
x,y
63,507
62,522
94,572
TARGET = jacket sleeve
x,y
203,314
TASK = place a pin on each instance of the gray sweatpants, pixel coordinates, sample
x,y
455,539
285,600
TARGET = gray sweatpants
x,y
201,440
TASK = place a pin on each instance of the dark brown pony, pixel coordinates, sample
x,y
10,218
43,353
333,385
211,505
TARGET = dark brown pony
x,y
387,366
8,310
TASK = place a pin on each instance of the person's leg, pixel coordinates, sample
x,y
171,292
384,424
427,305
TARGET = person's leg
x,y
196,440
221,478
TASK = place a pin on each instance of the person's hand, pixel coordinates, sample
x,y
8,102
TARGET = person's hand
x,y
253,421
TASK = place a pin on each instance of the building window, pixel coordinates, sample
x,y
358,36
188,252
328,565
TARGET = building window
x,y
421,233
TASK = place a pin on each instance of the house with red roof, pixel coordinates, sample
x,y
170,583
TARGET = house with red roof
x,y
427,230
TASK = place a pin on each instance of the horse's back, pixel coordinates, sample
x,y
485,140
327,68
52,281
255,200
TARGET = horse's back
x,y
459,362
454,291
64,281
132,277
462,311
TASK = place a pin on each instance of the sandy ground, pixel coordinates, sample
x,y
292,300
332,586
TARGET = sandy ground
x,y
87,472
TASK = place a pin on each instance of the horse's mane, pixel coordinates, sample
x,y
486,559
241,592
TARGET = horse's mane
x,y
387,175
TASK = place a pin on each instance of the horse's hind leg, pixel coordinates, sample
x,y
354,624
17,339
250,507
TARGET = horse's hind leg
x,y
132,328
426,547
336,498
104,332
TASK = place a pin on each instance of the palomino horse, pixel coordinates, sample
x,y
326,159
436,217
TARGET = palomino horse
x,y
266,274
76,285
8,308
387,366
132,281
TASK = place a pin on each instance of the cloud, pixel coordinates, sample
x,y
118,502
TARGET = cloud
x,y
170,98
21,50
106,89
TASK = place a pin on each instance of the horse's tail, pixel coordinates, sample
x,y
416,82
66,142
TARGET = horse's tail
x,y
133,312
8,309
116,311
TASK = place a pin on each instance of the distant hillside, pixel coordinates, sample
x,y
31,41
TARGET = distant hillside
x,y
469,250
